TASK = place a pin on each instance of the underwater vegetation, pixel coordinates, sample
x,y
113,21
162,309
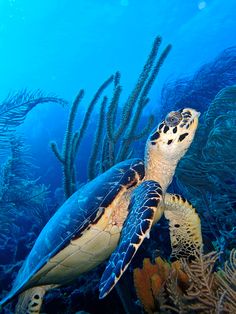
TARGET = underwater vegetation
x,y
199,89
117,134
183,287
24,203
14,109
205,176
19,190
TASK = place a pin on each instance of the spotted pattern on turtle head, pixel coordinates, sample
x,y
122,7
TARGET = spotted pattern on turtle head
x,y
178,128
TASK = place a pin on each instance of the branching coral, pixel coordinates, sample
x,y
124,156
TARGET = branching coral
x,y
187,287
201,295
115,131
227,284
210,291
92,166
72,140
133,107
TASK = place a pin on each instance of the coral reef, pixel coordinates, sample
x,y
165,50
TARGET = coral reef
x,y
206,176
133,107
149,281
184,287
72,140
118,132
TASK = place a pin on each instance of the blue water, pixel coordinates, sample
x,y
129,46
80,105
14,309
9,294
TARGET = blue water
x,y
61,46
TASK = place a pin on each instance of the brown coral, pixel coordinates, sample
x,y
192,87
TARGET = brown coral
x,y
144,284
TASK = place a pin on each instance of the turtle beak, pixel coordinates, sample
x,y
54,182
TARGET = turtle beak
x,y
198,114
195,115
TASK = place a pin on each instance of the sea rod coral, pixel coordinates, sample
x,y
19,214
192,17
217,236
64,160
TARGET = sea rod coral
x,y
118,132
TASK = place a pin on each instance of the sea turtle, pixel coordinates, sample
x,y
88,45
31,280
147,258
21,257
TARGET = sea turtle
x,y
112,215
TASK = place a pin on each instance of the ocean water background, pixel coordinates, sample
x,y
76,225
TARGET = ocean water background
x,y
61,46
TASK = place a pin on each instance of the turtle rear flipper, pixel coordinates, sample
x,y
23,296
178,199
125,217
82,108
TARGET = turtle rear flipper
x,y
142,212
30,301
184,225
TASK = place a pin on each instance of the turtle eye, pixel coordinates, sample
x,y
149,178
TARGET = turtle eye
x,y
173,118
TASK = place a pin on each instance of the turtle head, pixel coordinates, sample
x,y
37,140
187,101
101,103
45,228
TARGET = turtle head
x,y
173,136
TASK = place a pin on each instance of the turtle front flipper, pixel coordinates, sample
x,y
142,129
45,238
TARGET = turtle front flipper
x,y
145,202
184,225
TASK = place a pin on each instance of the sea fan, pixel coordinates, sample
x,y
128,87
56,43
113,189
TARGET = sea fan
x,y
14,110
20,193
188,287
199,90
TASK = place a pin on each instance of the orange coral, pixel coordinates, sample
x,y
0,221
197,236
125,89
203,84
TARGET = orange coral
x,y
143,284
182,277
151,278
163,287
